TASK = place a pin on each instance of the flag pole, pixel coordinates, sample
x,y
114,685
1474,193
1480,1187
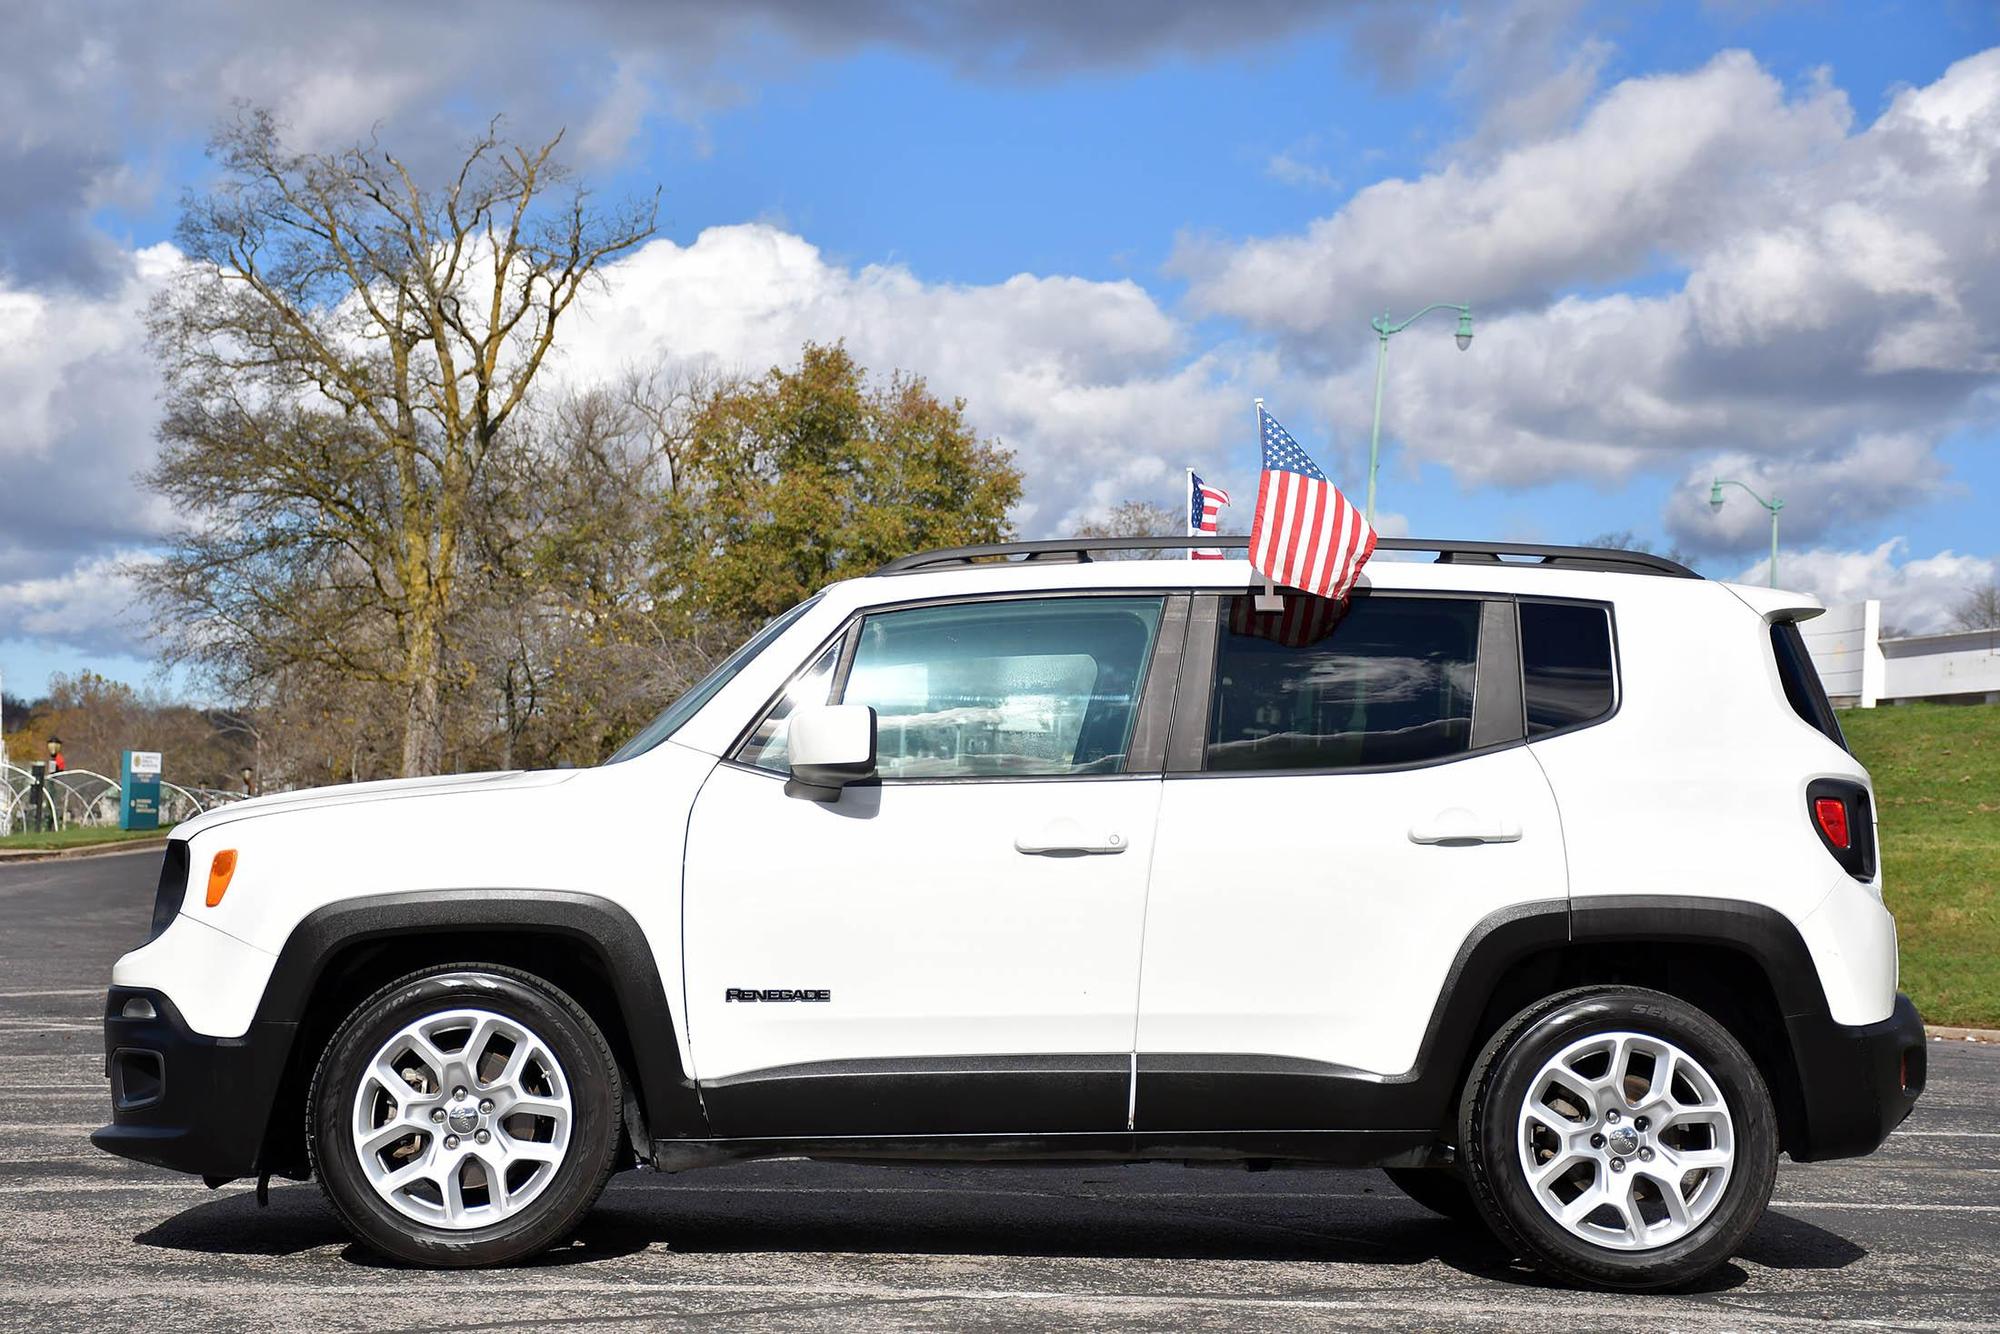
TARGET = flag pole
x,y
1268,600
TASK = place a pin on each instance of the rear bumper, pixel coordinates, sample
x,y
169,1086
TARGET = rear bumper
x,y
183,1100
1857,1083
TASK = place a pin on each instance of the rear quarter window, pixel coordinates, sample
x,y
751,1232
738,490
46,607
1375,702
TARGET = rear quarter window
x,y
1568,676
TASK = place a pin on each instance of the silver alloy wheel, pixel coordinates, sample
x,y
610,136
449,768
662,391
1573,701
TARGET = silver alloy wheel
x,y
462,1119
1626,1141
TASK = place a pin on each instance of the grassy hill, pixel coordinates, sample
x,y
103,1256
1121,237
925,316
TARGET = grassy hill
x,y
1937,783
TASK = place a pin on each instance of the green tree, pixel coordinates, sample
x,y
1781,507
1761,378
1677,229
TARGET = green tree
x,y
805,476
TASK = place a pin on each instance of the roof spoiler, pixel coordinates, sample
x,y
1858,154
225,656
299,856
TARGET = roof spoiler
x,y
1778,606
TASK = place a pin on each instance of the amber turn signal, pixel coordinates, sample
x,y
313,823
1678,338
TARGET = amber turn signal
x,y
219,871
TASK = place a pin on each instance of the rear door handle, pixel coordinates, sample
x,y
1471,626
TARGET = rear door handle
x,y
1457,827
1064,837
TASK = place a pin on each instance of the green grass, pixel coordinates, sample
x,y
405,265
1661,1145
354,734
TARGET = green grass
x,y
1937,783
76,838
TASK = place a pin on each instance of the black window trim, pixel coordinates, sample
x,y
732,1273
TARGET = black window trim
x,y
1189,751
733,753
1151,723
1610,611
1825,720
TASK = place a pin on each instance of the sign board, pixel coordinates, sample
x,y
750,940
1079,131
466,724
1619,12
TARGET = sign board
x,y
139,790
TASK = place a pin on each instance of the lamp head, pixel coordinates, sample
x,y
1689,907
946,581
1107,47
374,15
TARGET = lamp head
x,y
1464,329
1715,494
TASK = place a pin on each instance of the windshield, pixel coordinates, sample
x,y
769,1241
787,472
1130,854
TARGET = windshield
x,y
684,708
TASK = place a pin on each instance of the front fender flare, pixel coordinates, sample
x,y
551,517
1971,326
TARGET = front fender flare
x,y
672,1101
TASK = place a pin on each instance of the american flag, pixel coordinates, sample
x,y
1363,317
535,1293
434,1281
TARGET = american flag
x,y
1205,504
1305,533
1305,619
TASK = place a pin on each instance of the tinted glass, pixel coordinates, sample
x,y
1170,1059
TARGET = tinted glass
x,y
1566,674
1388,682
769,747
689,704
1036,687
1802,684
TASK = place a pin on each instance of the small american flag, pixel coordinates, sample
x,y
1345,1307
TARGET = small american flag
x,y
1305,534
1205,504
1305,619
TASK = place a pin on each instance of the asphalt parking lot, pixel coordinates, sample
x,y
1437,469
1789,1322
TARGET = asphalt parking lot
x,y
1909,1238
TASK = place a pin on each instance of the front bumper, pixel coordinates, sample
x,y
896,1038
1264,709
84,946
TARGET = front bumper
x,y
1857,1084
183,1100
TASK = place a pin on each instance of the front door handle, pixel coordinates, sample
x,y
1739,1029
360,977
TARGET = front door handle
x,y
1064,837
1458,827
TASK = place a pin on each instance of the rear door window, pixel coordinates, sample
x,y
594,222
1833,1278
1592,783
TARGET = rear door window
x,y
1384,680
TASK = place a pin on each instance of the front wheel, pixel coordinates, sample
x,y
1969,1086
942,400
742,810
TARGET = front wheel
x,y
466,1115
1619,1137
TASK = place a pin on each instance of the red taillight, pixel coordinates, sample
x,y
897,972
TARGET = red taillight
x,y
1831,812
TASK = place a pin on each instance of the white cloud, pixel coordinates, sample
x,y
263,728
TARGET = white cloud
x,y
80,394
1822,494
1294,165
1831,328
92,607
1092,383
1659,163
88,86
1917,595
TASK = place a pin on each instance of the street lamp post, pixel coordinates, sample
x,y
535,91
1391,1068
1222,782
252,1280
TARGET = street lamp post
x,y
1384,330
1773,505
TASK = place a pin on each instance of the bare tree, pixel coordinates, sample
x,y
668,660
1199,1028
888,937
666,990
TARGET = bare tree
x,y
1978,609
1626,540
345,354
1137,518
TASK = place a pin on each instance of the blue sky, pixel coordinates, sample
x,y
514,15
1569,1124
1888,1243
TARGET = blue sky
x,y
1202,214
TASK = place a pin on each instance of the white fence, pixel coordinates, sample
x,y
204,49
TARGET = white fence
x,y
1861,669
79,797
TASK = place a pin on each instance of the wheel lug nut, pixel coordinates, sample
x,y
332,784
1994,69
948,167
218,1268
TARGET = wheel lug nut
x,y
437,1113
486,1108
1618,1164
458,1093
1611,1115
483,1136
1644,1154
451,1141
1597,1141
1643,1124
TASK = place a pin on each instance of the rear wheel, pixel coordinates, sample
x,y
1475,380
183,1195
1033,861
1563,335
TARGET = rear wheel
x,y
1619,1137
464,1116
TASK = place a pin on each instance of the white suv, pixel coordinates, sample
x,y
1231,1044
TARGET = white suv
x,y
1538,876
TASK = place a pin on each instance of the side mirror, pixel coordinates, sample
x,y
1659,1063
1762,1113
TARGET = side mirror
x,y
832,745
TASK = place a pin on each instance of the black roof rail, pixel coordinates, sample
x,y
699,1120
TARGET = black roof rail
x,y
1083,549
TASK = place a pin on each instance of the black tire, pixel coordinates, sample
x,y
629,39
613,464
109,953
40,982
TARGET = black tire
x,y
1439,1189
1489,1118
596,1117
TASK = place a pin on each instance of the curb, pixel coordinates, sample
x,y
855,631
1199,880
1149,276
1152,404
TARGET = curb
x,y
92,850
1940,1033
